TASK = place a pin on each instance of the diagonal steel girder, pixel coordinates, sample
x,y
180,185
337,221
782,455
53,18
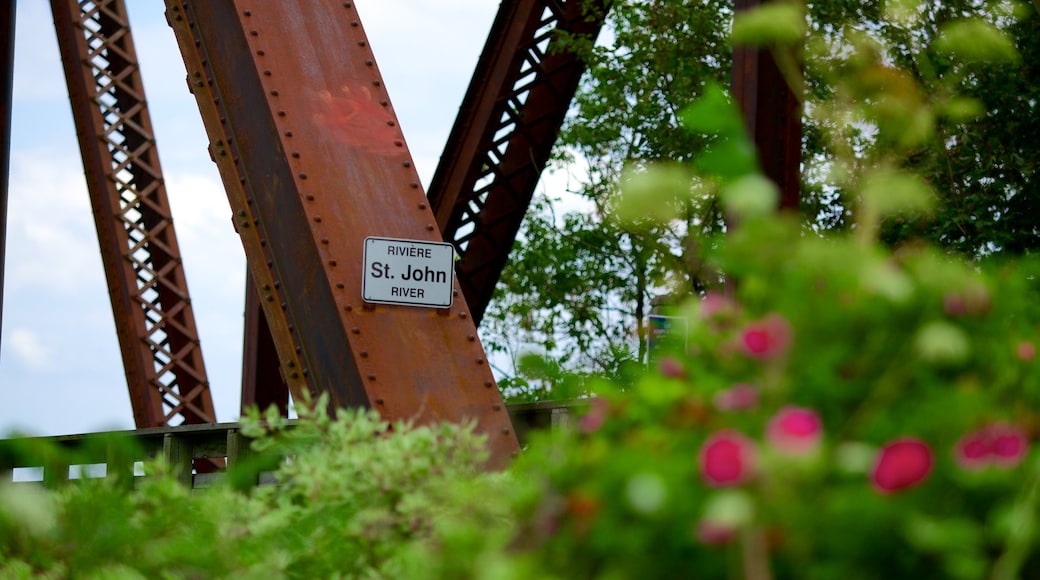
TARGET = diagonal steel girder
x,y
504,134
154,320
313,162
772,115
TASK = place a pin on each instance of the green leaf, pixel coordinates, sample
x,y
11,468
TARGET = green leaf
x,y
891,191
771,23
976,41
652,193
713,112
750,196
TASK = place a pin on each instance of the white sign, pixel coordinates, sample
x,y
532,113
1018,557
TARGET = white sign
x,y
410,272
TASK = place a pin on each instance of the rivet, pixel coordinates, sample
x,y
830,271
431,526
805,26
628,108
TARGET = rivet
x,y
298,350
248,12
384,102
346,4
277,284
496,407
317,219
379,401
284,305
422,205
339,284
310,197
270,298
306,372
407,164
398,143
505,431
267,73
267,286
292,328
454,292
348,307
414,185
376,83
480,360
303,176
488,384
332,263
295,154
254,33
462,315
369,62
290,364
371,377
289,134
274,93
391,123
361,43
364,354
260,52
471,338
429,227
197,74
325,241
355,330
354,23
281,113
295,375
241,213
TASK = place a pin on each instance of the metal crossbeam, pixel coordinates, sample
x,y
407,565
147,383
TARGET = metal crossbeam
x,y
153,314
504,133
313,162
772,115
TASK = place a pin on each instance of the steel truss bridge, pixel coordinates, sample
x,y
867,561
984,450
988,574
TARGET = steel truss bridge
x,y
313,161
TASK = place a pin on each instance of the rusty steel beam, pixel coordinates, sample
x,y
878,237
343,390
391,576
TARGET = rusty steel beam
x,y
772,115
504,133
313,161
7,20
149,294
262,382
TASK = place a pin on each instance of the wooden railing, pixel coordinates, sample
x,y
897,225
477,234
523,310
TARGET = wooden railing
x,y
199,454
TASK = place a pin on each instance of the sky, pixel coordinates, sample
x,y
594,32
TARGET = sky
x,y
60,368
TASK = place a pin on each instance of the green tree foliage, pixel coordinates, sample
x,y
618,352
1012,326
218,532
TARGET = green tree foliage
x,y
579,285
945,90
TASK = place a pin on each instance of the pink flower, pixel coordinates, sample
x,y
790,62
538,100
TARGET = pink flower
x,y
795,430
727,458
739,397
1025,351
901,464
766,338
672,368
972,451
591,421
716,305
713,533
998,444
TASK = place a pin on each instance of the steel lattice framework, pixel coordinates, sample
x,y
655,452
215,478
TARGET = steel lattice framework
x,y
504,134
312,160
154,319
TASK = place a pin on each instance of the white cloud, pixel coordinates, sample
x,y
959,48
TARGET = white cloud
x,y
27,347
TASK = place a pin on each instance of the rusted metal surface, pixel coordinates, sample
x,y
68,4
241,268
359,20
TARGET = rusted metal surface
x,y
149,294
502,138
772,115
313,161
262,382
7,18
